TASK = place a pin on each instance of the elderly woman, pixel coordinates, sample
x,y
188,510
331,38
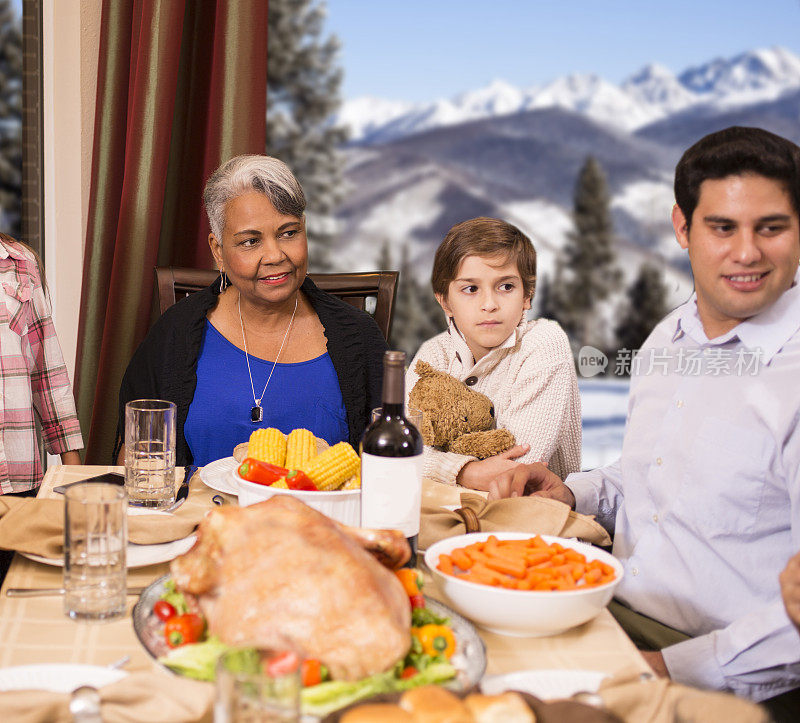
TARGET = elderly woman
x,y
262,346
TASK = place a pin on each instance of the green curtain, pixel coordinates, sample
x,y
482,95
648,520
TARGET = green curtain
x,y
181,88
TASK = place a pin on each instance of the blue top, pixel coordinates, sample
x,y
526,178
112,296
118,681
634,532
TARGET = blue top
x,y
304,395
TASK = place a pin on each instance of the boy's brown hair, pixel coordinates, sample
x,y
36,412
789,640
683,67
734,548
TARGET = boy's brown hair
x,y
483,237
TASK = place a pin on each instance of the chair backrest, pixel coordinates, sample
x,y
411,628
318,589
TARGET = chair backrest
x,y
357,289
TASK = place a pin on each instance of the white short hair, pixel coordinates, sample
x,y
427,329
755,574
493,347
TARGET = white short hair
x,y
241,174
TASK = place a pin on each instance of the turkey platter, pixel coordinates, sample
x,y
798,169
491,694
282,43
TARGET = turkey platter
x,y
278,573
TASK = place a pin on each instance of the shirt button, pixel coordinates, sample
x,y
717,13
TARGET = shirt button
x,y
679,403
655,518
658,461
634,570
471,381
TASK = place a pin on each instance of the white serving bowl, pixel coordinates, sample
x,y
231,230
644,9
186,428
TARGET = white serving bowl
x,y
522,613
341,505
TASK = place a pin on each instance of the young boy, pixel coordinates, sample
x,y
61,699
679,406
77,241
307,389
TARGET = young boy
x,y
484,276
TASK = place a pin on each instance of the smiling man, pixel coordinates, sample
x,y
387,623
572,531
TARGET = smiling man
x,y
704,502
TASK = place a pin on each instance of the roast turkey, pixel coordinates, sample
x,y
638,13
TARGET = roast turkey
x,y
278,573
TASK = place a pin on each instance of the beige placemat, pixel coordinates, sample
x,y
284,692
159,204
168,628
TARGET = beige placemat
x,y
36,526
659,700
152,697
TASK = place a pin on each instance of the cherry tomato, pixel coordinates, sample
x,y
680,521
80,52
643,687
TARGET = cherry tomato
x,y
164,611
408,672
311,672
417,601
182,629
283,663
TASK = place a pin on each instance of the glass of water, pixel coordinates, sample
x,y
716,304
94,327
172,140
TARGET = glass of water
x,y
258,685
150,453
95,539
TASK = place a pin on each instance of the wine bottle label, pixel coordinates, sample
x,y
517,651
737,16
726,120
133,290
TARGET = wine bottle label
x,y
391,493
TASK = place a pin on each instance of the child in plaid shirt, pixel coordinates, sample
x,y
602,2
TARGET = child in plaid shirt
x,y
33,379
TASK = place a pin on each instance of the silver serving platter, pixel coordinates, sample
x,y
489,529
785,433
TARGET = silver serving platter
x,y
469,659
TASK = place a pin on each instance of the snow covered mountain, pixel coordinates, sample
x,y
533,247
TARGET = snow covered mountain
x,y
653,93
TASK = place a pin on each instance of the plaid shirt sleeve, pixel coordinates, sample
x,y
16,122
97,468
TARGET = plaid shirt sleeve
x,y
34,377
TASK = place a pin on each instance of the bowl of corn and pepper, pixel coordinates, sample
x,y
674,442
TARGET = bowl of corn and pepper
x,y
278,464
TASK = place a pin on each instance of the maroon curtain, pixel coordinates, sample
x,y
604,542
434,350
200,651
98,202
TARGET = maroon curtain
x,y
181,88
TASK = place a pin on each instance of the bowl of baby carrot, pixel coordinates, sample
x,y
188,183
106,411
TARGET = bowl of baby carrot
x,y
515,583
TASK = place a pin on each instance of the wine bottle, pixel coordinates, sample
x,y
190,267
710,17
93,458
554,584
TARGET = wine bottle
x,y
391,461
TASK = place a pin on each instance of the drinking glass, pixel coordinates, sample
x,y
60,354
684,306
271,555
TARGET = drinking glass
x,y
412,415
150,453
258,685
95,540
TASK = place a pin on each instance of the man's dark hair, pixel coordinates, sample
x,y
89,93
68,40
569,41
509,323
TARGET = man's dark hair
x,y
736,151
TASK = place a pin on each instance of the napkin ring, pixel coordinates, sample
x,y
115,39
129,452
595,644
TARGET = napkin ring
x,y
471,521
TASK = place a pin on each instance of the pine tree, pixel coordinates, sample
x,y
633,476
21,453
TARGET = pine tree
x,y
645,306
303,83
10,119
384,262
589,261
550,299
417,315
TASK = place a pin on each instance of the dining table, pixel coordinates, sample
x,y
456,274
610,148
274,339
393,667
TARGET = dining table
x,y
35,630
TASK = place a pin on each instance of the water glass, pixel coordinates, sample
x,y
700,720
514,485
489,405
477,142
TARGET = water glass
x,y
258,686
412,415
95,540
150,453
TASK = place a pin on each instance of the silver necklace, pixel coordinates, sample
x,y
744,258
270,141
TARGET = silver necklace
x,y
257,412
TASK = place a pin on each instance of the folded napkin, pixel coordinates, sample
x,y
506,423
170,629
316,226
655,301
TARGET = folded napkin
x,y
36,526
537,515
152,697
659,700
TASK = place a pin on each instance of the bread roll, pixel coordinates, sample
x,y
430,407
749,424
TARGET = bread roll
x,y
377,713
505,708
432,704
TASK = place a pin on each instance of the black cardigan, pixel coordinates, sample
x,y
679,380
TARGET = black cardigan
x,y
165,364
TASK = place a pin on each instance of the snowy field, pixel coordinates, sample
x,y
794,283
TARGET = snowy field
x,y
604,405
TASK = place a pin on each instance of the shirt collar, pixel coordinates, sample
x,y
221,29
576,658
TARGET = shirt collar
x,y
767,331
7,250
465,353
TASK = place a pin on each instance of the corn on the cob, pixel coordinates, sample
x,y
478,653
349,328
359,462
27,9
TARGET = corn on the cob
x,y
268,445
301,446
280,483
331,468
354,483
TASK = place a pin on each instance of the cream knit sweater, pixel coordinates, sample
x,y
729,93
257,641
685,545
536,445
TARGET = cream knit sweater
x,y
531,381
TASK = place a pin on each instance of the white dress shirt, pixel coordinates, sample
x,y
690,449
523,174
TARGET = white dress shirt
x,y
704,502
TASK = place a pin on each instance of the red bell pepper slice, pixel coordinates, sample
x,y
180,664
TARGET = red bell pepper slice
x,y
296,479
254,470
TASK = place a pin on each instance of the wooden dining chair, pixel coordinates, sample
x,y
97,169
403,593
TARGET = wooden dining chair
x,y
370,291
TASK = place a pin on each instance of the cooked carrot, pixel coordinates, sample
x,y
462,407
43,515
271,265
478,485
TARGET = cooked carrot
x,y
445,564
509,567
461,559
528,564
593,575
536,558
578,571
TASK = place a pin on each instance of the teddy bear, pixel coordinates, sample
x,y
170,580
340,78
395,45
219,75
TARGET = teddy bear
x,y
456,418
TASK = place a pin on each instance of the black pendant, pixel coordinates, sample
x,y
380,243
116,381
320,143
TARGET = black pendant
x,y
256,414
